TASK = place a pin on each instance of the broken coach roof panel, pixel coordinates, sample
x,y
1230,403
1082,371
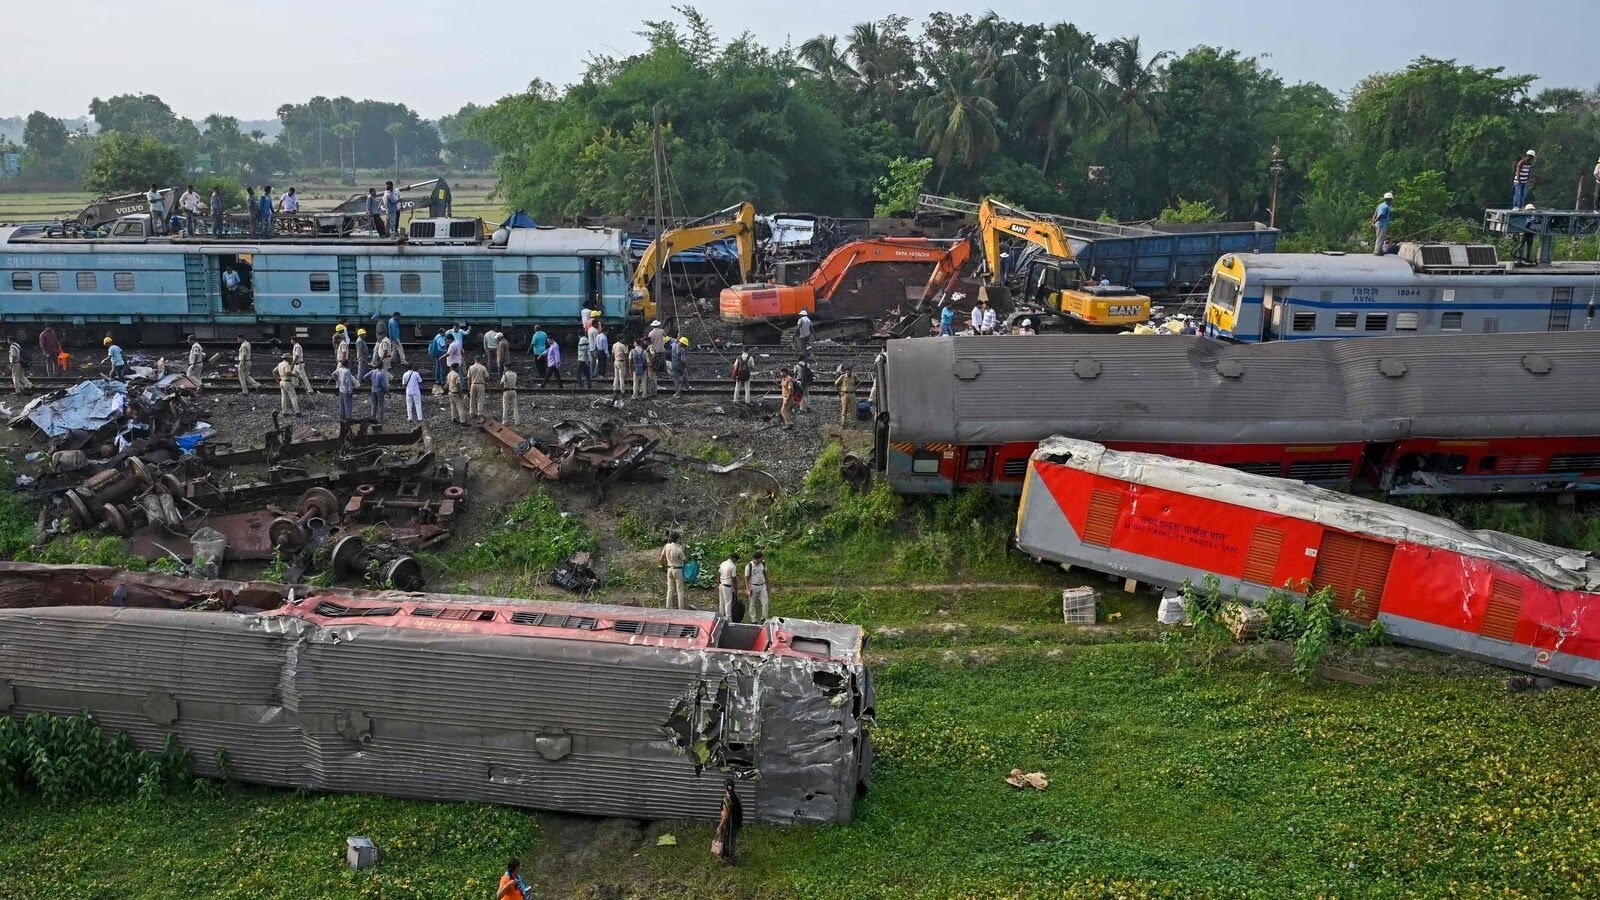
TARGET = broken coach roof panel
x,y
994,389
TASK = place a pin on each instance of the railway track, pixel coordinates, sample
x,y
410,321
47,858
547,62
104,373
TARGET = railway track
x,y
229,383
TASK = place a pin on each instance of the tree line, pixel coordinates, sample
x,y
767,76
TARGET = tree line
x,y
1050,117
1047,116
139,140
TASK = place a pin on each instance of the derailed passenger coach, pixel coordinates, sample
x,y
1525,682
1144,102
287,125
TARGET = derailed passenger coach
x,y
1483,594
573,707
1445,414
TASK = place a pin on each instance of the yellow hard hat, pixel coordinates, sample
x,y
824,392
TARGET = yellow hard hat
x,y
339,327
684,341
360,332
106,342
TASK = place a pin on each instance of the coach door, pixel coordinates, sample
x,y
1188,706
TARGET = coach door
x,y
199,274
1356,569
1270,315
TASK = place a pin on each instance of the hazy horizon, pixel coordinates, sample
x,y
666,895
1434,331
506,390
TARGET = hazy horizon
x,y
434,59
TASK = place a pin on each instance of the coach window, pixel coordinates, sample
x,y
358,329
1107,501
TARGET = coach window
x,y
21,281
1406,321
122,281
528,283
49,281
924,463
372,283
1450,321
1345,321
410,283
320,283
1377,321
1305,321
977,458
87,282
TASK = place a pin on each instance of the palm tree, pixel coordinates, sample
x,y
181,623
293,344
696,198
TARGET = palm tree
x,y
394,129
353,129
1134,86
822,55
958,120
340,132
1067,98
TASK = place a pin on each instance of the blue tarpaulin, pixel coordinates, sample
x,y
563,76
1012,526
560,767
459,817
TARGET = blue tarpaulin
x,y
519,219
88,406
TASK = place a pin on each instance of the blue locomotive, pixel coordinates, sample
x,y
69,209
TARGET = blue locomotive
x,y
151,289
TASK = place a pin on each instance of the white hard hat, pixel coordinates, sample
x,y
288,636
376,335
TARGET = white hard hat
x,y
1388,195
1528,207
805,312
1027,322
1530,153
655,323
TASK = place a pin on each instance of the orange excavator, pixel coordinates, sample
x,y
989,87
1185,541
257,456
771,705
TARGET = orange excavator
x,y
766,305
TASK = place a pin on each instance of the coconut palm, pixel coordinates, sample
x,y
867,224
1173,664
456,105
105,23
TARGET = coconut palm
x,y
1067,98
822,55
1134,86
958,120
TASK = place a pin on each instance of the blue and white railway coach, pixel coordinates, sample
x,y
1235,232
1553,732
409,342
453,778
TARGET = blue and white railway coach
x,y
1425,289
155,290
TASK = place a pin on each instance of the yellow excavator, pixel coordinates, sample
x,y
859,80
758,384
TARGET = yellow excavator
x,y
1052,279
737,222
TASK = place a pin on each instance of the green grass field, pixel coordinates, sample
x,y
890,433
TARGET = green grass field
x,y
1167,779
470,196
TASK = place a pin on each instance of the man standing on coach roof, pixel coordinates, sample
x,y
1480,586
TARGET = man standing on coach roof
x,y
1522,179
217,209
190,201
1380,223
391,203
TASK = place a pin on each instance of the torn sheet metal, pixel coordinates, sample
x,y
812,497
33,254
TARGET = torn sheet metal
x,y
580,708
86,406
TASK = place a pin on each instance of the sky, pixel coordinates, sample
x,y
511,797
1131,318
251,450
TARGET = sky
x,y
245,57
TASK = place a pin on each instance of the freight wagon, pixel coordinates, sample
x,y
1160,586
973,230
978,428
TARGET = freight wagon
x,y
1447,414
576,707
155,290
1483,594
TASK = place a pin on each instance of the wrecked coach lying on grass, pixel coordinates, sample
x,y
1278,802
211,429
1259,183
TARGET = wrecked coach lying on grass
x,y
602,710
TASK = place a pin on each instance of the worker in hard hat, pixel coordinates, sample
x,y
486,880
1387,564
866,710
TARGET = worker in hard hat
x,y
802,332
119,365
341,338
680,366
1380,223
1025,327
1522,179
359,349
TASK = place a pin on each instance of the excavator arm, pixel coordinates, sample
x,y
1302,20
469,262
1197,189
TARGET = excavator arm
x,y
996,220
737,222
1060,280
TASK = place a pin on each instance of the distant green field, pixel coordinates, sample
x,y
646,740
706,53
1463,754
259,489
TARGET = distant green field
x,y
470,197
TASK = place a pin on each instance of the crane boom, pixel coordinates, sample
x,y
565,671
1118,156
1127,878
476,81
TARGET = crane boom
x,y
737,222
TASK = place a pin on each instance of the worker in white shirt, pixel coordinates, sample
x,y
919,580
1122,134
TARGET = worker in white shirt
x,y
983,319
190,201
289,203
727,588
755,583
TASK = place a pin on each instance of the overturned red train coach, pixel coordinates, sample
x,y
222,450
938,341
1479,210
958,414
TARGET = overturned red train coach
x,y
1432,583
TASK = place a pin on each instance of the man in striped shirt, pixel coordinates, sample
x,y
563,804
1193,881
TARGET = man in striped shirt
x,y
1522,179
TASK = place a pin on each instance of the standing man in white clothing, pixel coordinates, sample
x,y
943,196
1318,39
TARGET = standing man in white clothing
x,y
728,587
412,380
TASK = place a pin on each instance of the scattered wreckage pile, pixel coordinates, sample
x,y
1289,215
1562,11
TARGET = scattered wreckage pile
x,y
604,454
135,460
